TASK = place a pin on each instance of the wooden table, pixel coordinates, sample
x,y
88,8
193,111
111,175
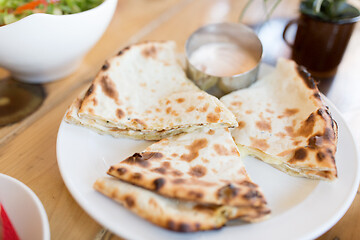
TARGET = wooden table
x,y
27,148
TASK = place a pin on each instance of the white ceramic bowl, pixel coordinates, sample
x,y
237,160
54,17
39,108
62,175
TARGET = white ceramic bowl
x,y
24,209
42,47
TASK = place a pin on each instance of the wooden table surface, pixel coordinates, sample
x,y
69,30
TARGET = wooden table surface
x,y
27,148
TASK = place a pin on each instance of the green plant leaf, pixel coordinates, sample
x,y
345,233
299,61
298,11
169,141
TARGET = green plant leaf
x,y
329,10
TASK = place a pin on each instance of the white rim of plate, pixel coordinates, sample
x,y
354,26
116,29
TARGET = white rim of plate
x,y
332,221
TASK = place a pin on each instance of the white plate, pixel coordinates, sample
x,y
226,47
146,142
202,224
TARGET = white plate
x,y
24,209
301,208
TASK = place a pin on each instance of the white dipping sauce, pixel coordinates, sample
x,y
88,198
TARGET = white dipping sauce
x,y
222,59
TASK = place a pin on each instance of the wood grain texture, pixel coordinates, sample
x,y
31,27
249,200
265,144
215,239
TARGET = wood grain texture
x,y
28,150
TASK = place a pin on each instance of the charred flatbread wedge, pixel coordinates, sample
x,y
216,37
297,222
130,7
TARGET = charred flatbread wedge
x,y
143,93
174,214
202,166
284,122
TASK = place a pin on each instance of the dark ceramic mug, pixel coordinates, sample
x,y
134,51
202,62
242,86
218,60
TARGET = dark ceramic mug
x,y
320,45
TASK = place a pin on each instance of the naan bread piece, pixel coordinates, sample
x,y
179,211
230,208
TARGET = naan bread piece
x,y
143,93
284,122
202,166
174,214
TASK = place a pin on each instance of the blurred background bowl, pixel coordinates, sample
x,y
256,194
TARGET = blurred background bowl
x,y
43,47
24,209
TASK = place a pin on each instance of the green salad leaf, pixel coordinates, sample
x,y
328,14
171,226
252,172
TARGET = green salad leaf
x,y
14,10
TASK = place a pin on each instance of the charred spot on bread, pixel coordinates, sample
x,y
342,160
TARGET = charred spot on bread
x,y
321,112
178,181
320,156
120,113
90,90
171,225
290,111
190,109
123,50
300,154
136,176
142,158
264,125
195,194
236,103
204,108
138,122
213,117
166,164
248,184
184,227
194,149
211,132
241,124
227,192
121,170
176,173
306,76
315,141
149,51
180,100
259,143
197,171
317,96
329,134
158,183
307,126
109,88
252,193
137,158
129,201
160,170
105,66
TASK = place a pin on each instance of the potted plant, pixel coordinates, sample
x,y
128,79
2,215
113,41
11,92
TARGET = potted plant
x,y
324,30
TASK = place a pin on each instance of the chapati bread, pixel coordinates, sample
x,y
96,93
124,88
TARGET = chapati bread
x,y
202,166
143,93
284,122
174,214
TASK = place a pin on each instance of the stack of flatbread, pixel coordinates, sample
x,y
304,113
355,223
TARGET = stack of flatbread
x,y
191,180
143,93
284,122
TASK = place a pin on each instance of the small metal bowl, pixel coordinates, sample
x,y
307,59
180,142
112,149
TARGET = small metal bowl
x,y
235,33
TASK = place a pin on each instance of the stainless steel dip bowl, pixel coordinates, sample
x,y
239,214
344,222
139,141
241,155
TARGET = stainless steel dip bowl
x,y
235,33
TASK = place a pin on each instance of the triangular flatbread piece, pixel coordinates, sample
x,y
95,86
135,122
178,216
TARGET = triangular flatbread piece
x,y
284,122
174,214
143,93
202,166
